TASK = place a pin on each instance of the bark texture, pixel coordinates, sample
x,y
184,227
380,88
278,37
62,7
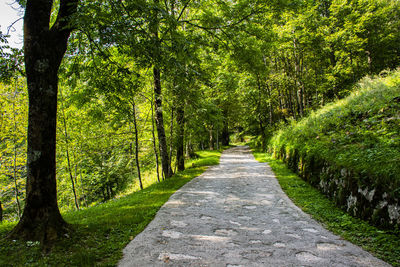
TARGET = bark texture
x,y
44,50
137,146
154,143
225,132
165,163
180,121
162,141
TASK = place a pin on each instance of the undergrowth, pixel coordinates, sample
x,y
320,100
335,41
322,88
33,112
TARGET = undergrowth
x,y
101,232
383,244
359,133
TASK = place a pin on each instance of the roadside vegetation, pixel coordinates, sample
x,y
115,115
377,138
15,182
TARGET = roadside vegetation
x,y
381,243
100,233
129,87
360,132
345,149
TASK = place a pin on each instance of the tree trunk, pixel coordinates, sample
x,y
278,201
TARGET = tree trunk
x,y
262,130
67,152
1,212
44,50
154,142
270,107
180,121
165,163
16,193
217,132
225,133
82,192
162,141
137,146
211,140
171,135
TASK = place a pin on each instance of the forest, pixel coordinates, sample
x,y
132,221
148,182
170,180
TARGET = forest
x,y
109,97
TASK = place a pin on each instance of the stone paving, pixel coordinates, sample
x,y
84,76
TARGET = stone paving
x,y
236,214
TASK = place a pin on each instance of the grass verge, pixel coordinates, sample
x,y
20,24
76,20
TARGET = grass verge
x,y
101,232
359,133
383,244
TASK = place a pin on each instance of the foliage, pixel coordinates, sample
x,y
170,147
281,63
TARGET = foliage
x,y
312,54
13,113
359,133
233,68
10,60
383,244
101,232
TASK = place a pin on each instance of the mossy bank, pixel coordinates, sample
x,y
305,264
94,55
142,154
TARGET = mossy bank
x,y
350,150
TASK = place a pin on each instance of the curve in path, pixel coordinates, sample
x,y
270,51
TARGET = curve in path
x,y
236,214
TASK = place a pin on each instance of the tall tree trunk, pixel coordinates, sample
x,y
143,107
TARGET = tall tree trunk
x,y
180,125
162,140
165,162
137,146
44,50
270,107
211,140
297,78
82,192
262,130
217,133
16,193
67,152
225,132
299,100
154,142
171,135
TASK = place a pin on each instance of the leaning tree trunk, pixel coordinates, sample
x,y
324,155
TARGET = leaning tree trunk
x,y
180,121
44,50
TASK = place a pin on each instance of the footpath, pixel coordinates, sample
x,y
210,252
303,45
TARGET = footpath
x,y
236,214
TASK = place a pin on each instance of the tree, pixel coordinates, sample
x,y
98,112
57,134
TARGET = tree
x,y
44,46
156,56
1,212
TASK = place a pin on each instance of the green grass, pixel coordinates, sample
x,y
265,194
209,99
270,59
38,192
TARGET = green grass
x,y
383,244
359,133
100,233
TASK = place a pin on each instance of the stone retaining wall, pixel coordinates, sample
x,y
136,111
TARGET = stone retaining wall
x,y
359,194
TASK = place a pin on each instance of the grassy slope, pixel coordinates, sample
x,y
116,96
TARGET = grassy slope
x,y
383,244
101,232
360,133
